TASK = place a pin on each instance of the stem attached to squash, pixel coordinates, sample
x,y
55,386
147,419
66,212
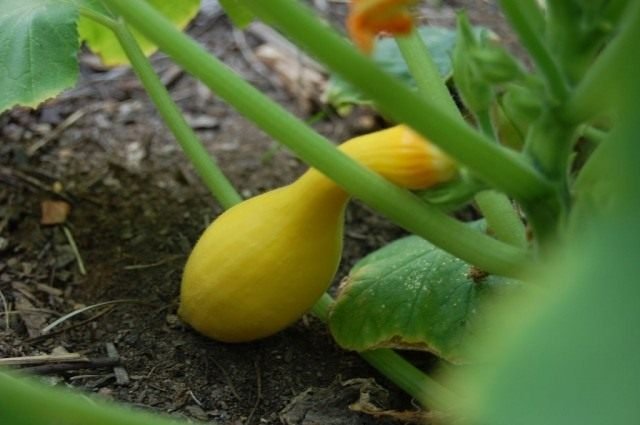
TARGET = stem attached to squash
x,y
411,379
202,161
399,205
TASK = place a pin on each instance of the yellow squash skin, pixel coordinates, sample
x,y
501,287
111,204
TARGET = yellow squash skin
x,y
263,263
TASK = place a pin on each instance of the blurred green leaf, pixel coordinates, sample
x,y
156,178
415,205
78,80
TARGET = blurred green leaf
x,y
570,355
103,42
25,401
475,92
440,42
239,15
411,294
38,46
518,106
454,194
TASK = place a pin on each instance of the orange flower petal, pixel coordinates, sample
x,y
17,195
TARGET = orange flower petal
x,y
368,18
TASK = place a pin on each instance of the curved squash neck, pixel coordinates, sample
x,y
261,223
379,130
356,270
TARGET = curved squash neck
x,y
397,153
315,186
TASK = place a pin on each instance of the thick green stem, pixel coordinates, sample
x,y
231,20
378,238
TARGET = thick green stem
x,y
497,166
600,85
321,308
496,207
411,379
206,167
398,204
549,144
526,20
565,36
425,72
502,218
24,401
593,134
99,18
486,125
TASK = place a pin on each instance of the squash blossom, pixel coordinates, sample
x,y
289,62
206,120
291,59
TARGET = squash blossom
x,y
368,18
264,262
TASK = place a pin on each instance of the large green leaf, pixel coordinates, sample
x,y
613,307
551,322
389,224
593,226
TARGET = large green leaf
x,y
38,46
440,42
571,356
102,41
411,294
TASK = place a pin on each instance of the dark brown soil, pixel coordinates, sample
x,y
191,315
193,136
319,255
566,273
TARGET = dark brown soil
x,y
137,208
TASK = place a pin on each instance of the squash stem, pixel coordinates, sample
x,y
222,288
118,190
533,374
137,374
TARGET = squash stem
x,y
406,376
501,216
425,72
498,210
205,165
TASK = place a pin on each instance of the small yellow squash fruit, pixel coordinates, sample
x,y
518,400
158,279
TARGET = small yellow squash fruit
x,y
264,262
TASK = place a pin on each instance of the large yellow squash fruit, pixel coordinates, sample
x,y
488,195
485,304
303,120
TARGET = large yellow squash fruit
x,y
263,263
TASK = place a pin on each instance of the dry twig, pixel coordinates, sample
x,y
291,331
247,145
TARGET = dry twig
x,y
253,61
157,263
74,248
228,379
122,377
59,331
258,392
97,363
43,359
32,181
68,316
54,134
7,313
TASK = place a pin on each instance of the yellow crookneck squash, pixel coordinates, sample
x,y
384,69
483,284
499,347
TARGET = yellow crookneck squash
x,y
264,262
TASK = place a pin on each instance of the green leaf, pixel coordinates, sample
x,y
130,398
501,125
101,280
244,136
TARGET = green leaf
x,y
570,355
440,42
411,294
103,42
38,46
95,6
474,91
239,15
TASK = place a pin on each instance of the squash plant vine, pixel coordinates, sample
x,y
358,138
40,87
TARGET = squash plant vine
x,y
576,89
